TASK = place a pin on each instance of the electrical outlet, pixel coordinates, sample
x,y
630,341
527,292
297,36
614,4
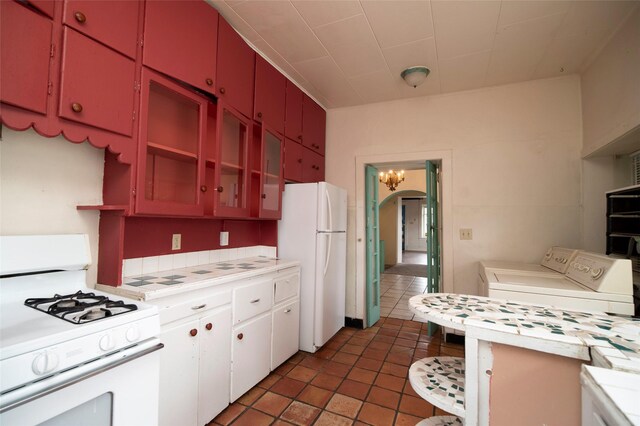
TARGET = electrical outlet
x,y
466,234
176,241
224,238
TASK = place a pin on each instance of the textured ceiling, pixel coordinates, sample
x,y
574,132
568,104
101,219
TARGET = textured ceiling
x,y
350,52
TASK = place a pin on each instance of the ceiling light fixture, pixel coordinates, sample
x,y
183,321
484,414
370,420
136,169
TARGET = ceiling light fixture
x,y
392,179
415,76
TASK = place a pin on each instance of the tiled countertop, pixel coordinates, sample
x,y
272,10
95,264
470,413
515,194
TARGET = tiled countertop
x,y
616,340
176,281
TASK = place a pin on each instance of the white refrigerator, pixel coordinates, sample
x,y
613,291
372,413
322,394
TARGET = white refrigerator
x,y
313,231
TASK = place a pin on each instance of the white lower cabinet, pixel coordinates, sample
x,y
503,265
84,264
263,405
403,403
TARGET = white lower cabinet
x,y
286,332
194,368
251,354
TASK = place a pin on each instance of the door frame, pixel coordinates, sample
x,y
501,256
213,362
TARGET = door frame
x,y
446,225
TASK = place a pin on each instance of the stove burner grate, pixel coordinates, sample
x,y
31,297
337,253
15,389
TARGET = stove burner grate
x,y
79,307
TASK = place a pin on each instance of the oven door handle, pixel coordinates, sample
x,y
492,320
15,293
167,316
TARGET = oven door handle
x,y
75,375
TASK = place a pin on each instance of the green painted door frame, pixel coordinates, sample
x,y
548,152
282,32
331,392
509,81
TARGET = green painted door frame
x,y
433,241
372,245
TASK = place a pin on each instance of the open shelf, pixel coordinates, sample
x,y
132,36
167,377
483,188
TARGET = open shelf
x,y
177,154
104,207
440,381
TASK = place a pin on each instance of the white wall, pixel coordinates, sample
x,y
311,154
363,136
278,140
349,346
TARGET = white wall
x,y
42,181
611,88
413,239
515,164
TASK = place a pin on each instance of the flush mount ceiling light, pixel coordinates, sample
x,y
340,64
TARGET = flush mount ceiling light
x,y
415,76
392,179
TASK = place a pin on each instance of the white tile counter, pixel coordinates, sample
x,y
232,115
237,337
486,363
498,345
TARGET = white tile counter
x,y
172,282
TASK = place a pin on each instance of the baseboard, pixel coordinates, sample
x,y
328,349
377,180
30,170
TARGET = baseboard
x,y
353,322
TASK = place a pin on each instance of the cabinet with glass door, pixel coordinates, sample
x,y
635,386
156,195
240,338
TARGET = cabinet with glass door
x,y
170,177
267,173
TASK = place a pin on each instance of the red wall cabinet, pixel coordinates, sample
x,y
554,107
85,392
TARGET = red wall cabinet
x,y
25,44
267,172
312,166
97,86
236,67
313,125
269,101
293,113
181,39
292,160
170,178
113,23
232,186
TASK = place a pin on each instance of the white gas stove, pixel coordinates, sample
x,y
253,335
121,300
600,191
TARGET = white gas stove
x,y
62,342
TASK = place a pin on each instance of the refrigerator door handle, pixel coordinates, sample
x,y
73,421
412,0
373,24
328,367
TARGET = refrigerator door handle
x,y
326,194
326,261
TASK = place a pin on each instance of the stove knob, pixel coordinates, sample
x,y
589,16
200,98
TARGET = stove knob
x,y
44,363
106,342
132,334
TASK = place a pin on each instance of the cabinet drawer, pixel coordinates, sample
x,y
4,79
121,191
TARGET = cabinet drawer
x,y
251,300
285,287
172,311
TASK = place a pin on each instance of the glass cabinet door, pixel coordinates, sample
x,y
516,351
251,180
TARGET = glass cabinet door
x,y
231,199
271,177
170,175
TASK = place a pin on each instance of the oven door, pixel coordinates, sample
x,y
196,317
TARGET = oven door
x,y
117,390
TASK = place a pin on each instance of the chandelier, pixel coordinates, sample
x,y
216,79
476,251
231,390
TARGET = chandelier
x,y
392,179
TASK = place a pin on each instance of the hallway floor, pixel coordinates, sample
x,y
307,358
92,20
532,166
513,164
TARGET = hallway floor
x,y
395,292
358,378
415,257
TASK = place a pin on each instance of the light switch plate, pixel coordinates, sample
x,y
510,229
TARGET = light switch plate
x,y
466,234
224,238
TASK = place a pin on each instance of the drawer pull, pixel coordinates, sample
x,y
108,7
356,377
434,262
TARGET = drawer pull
x,y
80,17
193,332
195,308
240,336
286,311
255,300
209,82
209,326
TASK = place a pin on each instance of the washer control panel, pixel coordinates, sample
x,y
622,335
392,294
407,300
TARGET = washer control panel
x,y
558,258
602,273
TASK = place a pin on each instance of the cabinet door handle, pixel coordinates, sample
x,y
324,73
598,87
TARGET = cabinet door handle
x,y
255,300
240,336
222,90
264,196
195,308
193,332
286,311
80,17
203,188
209,326
299,137
259,115
299,160
209,82
76,107
220,189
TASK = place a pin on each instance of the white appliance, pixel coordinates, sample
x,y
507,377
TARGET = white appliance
x,y
313,230
69,354
554,263
593,282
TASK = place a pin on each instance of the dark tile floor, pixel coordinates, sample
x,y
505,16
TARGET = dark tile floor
x,y
359,377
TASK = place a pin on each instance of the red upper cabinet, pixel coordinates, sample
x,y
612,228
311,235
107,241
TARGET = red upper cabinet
x,y
236,66
271,181
114,23
314,120
25,44
170,150
181,39
293,112
269,103
312,166
97,86
293,160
